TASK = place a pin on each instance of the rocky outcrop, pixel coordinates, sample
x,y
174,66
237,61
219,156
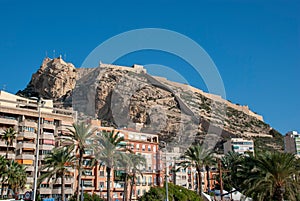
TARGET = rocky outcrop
x,y
128,96
54,79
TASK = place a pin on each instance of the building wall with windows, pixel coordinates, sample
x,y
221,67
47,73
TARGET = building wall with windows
x,y
292,142
22,115
239,145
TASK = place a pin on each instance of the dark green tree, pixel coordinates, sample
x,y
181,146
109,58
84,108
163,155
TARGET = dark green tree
x,y
82,136
56,163
9,135
197,156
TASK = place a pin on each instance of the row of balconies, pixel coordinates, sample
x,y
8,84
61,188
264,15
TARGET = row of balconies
x,y
55,191
144,183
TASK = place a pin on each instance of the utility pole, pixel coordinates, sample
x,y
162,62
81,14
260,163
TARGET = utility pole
x,y
40,103
166,173
221,179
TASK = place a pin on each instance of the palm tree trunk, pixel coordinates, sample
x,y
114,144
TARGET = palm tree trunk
x,y
63,196
2,189
6,156
79,174
108,171
199,181
131,185
125,195
207,178
278,194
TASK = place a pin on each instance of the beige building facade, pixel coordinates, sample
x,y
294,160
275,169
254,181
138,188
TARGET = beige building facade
x,y
22,115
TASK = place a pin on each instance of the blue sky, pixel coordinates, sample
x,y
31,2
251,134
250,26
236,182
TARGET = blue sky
x,y
254,44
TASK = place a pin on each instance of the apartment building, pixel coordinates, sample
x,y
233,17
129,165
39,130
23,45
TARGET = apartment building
x,y
239,145
22,115
292,143
145,144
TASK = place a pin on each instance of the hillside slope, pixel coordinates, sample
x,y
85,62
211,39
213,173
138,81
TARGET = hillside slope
x,y
129,97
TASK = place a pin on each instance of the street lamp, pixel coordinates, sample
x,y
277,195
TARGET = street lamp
x,y
40,103
82,188
166,175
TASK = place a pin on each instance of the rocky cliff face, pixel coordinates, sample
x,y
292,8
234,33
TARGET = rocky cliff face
x,y
128,96
53,80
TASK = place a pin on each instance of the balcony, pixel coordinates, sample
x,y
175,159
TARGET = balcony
x,y
9,156
58,191
64,127
29,168
46,147
88,177
8,120
48,126
29,180
47,136
3,144
26,156
27,145
26,134
45,191
29,123
67,181
89,188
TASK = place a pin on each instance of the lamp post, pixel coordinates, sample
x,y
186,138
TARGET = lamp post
x,y
40,103
81,196
166,173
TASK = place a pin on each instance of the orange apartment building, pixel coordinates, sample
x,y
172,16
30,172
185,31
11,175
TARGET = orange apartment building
x,y
94,177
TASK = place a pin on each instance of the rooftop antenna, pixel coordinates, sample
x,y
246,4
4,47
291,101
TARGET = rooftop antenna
x,y
46,54
53,54
65,56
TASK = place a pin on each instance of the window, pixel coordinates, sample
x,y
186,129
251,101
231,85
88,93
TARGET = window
x,y
28,129
149,147
137,147
138,192
44,185
44,152
48,142
101,173
101,184
87,183
143,147
88,172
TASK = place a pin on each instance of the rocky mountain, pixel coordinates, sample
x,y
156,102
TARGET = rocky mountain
x,y
129,97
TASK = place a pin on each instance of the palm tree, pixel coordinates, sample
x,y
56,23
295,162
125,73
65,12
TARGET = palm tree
x,y
131,163
81,134
271,176
109,153
56,163
16,176
3,170
197,156
137,161
231,163
8,136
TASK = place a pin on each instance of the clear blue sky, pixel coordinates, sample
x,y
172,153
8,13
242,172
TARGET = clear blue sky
x,y
255,44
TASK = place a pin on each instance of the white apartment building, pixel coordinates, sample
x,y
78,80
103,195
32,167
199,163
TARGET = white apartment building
x,y
292,143
239,145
